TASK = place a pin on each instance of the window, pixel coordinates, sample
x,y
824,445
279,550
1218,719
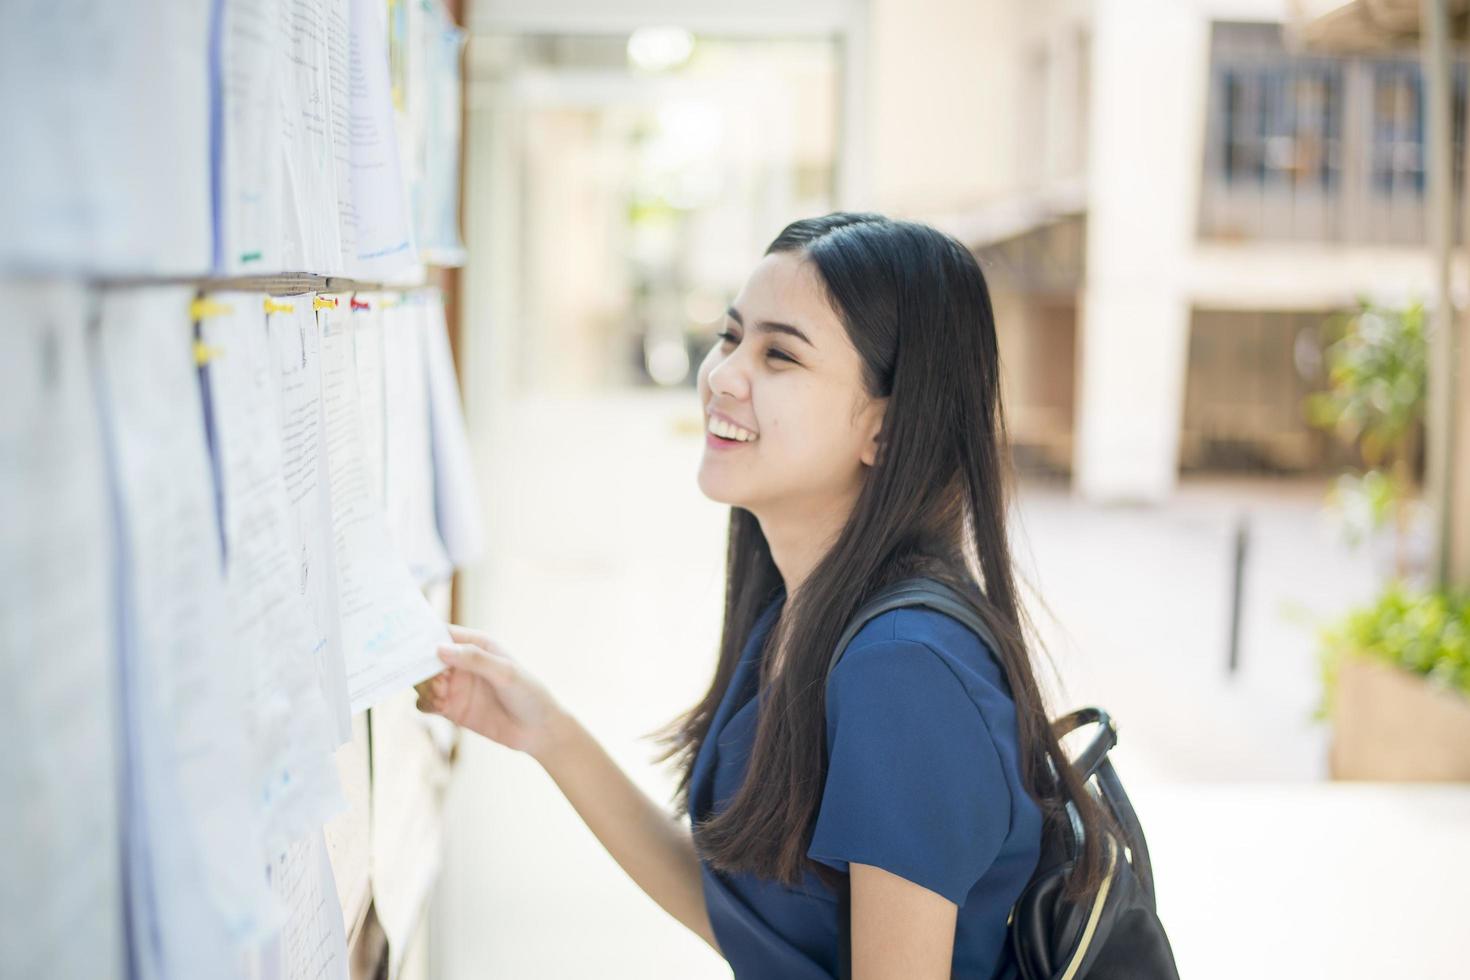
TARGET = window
x,y
1280,115
1398,127
1312,147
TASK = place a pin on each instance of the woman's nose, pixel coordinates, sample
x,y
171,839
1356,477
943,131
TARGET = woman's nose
x,y
728,376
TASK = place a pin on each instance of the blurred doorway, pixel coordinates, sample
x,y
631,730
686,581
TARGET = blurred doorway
x,y
641,176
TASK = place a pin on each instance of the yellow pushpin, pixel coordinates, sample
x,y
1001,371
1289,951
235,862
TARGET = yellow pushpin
x,y
203,307
272,306
203,353
323,303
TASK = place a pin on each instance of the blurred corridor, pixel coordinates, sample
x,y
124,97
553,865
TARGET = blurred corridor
x,y
329,321
1172,203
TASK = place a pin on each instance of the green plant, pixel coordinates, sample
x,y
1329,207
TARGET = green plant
x,y
1377,373
1364,503
1424,632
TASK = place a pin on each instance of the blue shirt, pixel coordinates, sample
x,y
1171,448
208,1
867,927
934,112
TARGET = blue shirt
x,y
923,781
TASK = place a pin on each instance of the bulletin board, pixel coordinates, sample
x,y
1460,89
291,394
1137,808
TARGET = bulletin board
x,y
236,482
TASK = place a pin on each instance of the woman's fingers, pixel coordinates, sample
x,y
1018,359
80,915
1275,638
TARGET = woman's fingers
x,y
467,656
463,634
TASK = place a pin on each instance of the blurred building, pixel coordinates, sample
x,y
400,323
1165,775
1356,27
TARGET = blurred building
x,y
1169,198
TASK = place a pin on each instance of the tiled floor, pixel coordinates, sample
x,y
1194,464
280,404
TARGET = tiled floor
x,y
606,580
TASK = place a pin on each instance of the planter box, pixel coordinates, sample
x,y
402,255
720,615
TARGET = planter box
x,y
1391,725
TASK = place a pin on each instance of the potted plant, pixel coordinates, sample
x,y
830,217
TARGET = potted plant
x,y
1397,689
1396,671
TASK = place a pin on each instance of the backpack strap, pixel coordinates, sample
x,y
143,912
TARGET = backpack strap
x,y
918,591
1116,800
1093,763
1097,748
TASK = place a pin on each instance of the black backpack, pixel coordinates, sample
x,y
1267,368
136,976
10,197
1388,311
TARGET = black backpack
x,y
1112,934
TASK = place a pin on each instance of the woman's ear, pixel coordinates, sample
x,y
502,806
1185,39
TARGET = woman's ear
x,y
873,416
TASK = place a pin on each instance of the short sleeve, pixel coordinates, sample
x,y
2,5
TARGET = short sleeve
x,y
914,780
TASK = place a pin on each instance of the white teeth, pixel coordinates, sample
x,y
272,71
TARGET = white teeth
x,y
728,431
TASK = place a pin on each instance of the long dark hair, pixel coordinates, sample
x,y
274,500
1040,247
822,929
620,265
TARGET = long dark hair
x,y
915,305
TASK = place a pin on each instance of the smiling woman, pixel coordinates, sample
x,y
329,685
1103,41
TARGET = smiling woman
x,y
855,428
863,352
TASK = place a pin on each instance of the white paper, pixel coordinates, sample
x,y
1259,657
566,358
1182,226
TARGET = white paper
x,y
312,234
367,353
409,463
384,245
406,82
349,835
389,632
456,495
194,862
296,348
105,111
311,944
293,722
340,98
436,193
251,62
61,891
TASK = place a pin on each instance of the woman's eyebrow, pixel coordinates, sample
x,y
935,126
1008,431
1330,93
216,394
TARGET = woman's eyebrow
x,y
768,326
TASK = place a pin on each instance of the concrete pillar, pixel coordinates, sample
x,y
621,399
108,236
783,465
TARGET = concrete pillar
x,y
1131,359
1149,74
1459,506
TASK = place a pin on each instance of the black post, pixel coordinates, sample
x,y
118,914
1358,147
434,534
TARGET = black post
x,y
1242,543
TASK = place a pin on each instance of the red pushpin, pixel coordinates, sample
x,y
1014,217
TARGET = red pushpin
x,y
360,304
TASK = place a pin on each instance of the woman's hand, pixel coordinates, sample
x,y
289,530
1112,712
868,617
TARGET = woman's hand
x,y
485,690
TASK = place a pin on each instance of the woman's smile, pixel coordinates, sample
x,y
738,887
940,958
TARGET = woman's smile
x,y
722,432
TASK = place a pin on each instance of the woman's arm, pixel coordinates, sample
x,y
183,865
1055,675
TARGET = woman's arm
x,y
900,930
488,692
655,850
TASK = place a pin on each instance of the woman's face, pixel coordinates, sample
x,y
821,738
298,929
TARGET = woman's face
x,y
785,372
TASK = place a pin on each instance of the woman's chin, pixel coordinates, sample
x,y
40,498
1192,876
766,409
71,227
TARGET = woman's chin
x,y
716,489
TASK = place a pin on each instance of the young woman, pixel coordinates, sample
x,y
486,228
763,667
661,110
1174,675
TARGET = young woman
x,y
854,421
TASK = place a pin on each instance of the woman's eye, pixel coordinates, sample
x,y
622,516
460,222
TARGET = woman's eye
x,y
775,353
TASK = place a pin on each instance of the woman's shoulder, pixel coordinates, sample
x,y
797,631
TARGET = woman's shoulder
x,y
923,773
889,648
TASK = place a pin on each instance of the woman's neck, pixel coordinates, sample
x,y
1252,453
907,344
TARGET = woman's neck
x,y
799,537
